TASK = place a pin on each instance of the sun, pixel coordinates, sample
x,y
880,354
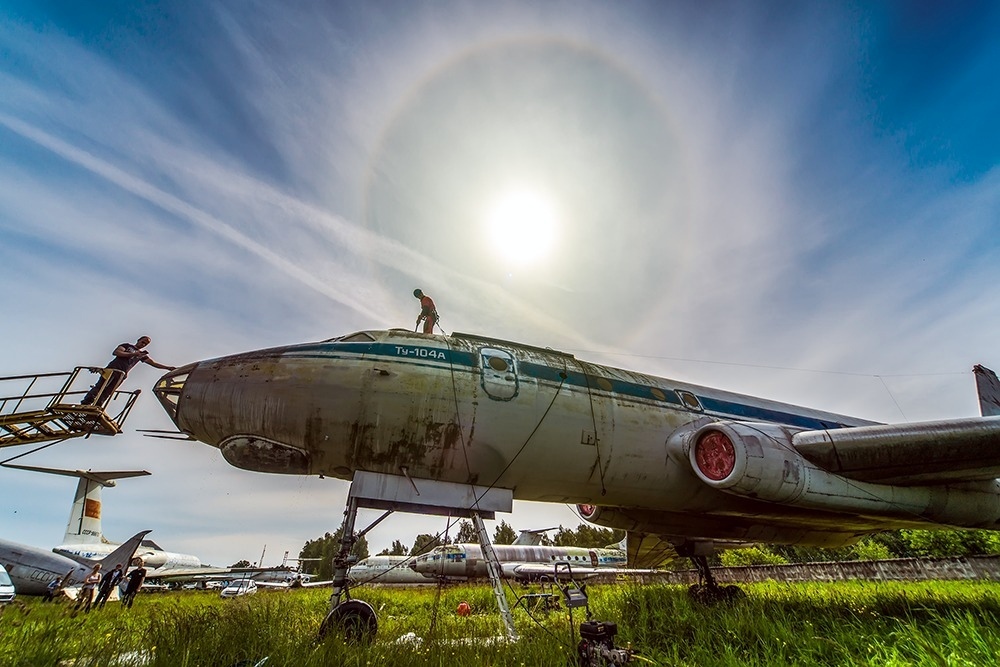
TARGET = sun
x,y
522,226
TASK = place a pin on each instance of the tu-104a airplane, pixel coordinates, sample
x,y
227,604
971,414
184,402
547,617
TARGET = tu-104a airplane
x,y
670,462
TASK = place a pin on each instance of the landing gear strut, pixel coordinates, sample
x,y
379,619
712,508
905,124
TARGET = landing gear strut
x,y
354,619
707,591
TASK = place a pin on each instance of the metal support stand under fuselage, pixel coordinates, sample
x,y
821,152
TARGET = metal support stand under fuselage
x,y
496,575
356,618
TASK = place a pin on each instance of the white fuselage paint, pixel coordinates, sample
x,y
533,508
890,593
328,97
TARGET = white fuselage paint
x,y
466,561
153,559
385,570
31,569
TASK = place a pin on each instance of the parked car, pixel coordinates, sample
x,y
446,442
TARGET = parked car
x,y
239,588
6,586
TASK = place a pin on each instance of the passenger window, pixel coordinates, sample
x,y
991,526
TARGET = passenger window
x,y
499,364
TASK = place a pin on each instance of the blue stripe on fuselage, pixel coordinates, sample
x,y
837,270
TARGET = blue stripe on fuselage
x,y
447,357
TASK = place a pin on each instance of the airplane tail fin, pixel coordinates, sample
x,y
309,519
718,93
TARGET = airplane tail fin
x,y
84,525
531,538
988,387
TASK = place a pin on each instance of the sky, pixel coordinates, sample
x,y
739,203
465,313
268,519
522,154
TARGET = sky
x,y
793,200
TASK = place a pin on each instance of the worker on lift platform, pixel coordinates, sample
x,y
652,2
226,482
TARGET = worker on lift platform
x,y
126,356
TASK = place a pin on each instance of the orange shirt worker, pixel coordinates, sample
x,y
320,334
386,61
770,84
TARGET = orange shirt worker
x,y
428,313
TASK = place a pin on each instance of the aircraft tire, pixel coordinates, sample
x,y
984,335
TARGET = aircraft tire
x,y
354,619
710,596
733,593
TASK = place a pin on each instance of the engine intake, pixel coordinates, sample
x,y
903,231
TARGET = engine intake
x,y
754,460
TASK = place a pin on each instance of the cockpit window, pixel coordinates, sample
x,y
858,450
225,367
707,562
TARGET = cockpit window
x,y
360,337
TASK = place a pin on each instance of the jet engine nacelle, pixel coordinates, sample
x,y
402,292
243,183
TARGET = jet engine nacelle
x,y
758,461
749,459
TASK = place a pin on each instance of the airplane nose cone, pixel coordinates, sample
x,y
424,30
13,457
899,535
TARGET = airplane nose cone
x,y
169,388
276,410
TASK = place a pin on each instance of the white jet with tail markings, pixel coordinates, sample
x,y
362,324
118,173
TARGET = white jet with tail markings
x,y
84,537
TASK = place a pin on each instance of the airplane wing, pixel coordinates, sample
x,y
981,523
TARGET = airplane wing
x,y
210,573
648,551
938,452
534,571
293,584
191,574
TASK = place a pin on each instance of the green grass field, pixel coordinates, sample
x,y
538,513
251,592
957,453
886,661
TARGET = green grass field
x,y
848,623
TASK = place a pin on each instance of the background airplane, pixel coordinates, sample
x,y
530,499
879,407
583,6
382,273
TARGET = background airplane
x,y
386,570
32,569
691,464
460,562
84,536
424,568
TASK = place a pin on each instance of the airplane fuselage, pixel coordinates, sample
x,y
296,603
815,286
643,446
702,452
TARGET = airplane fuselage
x,y
31,569
385,570
550,427
153,559
466,561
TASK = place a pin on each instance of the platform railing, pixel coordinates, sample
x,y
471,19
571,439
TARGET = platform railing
x,y
53,406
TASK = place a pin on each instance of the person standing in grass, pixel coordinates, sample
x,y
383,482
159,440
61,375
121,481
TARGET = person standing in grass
x,y
90,584
50,590
108,584
135,579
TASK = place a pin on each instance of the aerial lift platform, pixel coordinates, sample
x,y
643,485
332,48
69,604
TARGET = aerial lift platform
x,y
48,407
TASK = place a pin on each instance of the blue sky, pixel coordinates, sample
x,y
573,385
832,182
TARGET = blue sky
x,y
795,200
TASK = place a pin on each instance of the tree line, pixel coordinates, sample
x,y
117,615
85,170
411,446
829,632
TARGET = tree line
x,y
883,546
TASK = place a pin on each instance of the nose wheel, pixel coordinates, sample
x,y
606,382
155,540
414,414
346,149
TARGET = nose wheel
x,y
354,620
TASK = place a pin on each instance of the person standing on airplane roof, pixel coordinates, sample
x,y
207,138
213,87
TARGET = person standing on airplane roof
x,y
428,313
126,356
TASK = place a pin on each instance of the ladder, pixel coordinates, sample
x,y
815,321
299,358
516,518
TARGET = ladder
x,y
496,575
46,407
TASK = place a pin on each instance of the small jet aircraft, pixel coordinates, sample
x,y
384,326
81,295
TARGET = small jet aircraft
x,y
461,562
675,464
282,576
84,536
386,570
32,569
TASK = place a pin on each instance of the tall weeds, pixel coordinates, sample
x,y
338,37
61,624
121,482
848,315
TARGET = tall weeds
x,y
847,623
